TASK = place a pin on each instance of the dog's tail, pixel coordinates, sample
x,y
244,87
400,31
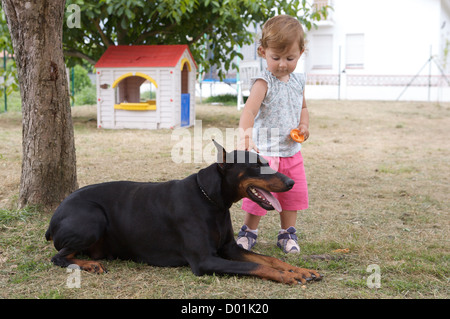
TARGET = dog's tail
x,y
48,234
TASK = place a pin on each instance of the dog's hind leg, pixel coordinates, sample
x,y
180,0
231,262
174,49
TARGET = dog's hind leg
x,y
64,258
78,231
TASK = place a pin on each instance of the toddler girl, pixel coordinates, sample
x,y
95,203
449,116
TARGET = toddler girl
x,y
275,106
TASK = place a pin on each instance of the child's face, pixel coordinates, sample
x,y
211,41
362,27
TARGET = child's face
x,y
281,64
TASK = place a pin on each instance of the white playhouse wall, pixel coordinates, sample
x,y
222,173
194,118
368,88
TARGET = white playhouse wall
x,y
168,98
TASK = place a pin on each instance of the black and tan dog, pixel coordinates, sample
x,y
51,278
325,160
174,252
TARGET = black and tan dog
x,y
175,223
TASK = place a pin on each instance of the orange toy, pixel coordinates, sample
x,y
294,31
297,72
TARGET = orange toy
x,y
297,136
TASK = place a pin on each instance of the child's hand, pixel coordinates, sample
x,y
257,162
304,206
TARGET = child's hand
x,y
304,131
247,144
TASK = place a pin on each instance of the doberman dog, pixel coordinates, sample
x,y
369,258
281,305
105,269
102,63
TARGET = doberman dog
x,y
174,223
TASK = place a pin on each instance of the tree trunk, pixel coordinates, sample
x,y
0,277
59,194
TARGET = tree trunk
x,y
49,163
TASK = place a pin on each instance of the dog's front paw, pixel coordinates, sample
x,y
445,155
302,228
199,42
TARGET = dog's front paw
x,y
304,275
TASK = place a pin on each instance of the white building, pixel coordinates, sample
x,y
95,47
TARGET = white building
x,y
376,50
381,50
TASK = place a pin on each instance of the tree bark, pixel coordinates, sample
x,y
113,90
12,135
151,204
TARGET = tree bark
x,y
48,146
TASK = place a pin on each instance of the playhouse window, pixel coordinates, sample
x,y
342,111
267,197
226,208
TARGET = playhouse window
x,y
135,93
147,91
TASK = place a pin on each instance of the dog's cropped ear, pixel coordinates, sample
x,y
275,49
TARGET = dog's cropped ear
x,y
221,154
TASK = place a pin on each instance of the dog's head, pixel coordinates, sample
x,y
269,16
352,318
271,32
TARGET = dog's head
x,y
252,177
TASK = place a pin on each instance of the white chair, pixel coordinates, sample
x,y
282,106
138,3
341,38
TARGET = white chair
x,y
247,71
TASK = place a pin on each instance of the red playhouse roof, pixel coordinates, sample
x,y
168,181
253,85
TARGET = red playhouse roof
x,y
122,56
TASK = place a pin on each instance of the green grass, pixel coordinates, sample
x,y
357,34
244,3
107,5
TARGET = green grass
x,y
223,99
9,215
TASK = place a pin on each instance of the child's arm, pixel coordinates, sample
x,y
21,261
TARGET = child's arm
x,y
303,126
247,120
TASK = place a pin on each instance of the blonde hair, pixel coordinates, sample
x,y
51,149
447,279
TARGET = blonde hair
x,y
280,32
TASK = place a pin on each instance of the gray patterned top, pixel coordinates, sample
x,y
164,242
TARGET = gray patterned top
x,y
279,113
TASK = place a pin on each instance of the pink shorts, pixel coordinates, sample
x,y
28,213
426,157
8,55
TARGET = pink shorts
x,y
294,199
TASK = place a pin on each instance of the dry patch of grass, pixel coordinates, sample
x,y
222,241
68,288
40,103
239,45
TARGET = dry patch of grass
x,y
379,179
